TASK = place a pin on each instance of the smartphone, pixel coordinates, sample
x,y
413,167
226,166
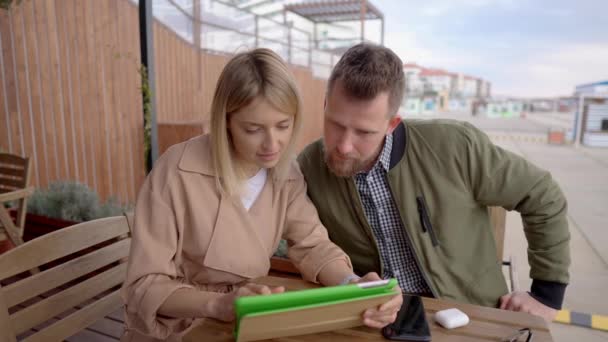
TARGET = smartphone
x,y
411,324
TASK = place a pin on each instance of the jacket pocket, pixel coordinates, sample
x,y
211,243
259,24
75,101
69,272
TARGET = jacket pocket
x,y
487,286
425,221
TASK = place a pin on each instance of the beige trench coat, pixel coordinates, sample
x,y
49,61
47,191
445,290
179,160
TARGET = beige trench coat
x,y
187,235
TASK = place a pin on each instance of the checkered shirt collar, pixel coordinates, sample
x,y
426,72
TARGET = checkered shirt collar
x,y
385,155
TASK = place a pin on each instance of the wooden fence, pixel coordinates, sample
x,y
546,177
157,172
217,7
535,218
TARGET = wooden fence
x,y
70,90
185,95
69,93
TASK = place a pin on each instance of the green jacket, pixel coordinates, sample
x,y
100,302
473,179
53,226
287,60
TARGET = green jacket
x,y
455,169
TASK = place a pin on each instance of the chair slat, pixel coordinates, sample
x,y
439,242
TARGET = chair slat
x,y
498,219
60,243
11,182
78,320
6,222
118,315
40,283
108,327
88,335
104,329
6,330
45,309
130,220
13,172
16,194
7,188
11,159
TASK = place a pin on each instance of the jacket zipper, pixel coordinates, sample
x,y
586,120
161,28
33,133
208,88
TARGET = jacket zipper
x,y
426,221
407,234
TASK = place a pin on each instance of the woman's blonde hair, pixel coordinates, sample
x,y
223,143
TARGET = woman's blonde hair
x,y
248,75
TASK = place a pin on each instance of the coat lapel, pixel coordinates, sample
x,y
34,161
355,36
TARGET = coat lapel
x,y
236,246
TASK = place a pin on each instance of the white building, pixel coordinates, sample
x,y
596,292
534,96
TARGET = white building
x,y
429,89
469,86
437,80
591,125
413,82
483,88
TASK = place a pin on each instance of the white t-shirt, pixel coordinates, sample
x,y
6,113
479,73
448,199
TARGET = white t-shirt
x,y
253,188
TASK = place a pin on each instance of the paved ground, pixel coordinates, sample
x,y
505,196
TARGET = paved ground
x,y
583,176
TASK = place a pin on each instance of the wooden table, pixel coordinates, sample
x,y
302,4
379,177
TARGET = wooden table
x,y
487,324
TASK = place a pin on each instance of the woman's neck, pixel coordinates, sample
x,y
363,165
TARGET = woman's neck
x,y
249,171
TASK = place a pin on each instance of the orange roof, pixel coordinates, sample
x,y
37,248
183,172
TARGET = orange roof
x,y
436,72
412,65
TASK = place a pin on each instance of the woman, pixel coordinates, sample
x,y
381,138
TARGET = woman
x,y
214,208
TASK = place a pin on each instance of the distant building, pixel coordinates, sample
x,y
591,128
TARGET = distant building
x,y
429,90
414,84
505,108
437,80
591,119
469,87
593,89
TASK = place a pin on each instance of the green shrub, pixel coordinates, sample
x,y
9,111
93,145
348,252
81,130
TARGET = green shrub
x,y
282,249
6,4
72,201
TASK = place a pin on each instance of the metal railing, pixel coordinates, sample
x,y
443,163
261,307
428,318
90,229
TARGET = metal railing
x,y
228,29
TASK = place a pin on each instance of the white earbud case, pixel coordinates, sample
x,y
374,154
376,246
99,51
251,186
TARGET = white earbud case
x,y
451,318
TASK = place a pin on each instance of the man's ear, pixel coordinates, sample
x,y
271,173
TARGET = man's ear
x,y
393,123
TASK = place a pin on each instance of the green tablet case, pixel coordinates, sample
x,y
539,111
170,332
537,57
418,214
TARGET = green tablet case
x,y
308,311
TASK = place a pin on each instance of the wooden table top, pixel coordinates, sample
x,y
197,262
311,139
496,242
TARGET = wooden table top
x,y
487,324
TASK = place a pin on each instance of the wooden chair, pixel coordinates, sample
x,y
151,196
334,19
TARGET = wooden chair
x,y
498,217
14,186
69,294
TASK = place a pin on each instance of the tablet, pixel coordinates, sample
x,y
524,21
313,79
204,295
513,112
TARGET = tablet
x,y
308,311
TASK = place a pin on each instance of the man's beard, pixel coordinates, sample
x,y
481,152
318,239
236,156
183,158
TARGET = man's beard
x,y
343,167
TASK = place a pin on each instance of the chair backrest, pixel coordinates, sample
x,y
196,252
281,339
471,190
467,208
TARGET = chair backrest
x,y
14,172
498,218
14,182
83,267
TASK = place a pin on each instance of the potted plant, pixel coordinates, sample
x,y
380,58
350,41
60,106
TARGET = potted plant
x,y
6,4
280,264
65,203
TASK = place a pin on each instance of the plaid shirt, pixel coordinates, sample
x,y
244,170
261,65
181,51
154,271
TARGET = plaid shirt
x,y
396,254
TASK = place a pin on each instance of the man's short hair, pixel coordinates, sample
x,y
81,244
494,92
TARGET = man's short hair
x,y
366,70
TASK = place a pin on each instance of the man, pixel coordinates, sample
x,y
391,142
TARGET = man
x,y
408,199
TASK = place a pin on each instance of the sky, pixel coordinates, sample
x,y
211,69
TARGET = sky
x,y
529,48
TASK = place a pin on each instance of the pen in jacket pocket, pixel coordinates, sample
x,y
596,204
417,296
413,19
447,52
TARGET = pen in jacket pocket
x,y
425,221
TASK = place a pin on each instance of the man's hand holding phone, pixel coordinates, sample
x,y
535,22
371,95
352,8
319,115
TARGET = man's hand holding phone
x,y
411,324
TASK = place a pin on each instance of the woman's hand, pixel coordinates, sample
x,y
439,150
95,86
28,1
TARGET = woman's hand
x,y
384,314
222,307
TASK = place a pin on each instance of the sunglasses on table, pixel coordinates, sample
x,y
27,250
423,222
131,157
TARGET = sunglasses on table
x,y
519,335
